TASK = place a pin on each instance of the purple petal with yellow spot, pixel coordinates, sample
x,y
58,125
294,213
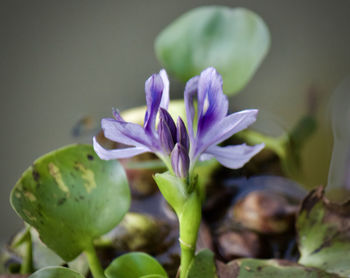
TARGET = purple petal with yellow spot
x,y
212,103
153,88
190,92
164,103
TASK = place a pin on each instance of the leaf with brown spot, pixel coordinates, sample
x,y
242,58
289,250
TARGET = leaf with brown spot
x,y
324,233
253,268
69,211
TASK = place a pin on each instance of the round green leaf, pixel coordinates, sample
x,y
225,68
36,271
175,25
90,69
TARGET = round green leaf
x,y
135,265
324,234
70,197
234,41
56,272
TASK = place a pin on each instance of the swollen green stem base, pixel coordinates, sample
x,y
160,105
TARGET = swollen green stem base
x,y
189,222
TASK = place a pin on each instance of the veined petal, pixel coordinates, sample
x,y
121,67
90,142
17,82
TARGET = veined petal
x,y
234,157
154,88
190,91
164,103
212,103
225,129
125,133
117,153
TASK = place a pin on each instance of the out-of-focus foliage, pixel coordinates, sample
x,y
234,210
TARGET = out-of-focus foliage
x,y
234,41
56,272
203,265
135,265
339,172
252,268
324,234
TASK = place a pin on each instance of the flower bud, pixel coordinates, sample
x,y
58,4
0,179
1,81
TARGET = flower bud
x,y
182,135
164,114
180,161
165,137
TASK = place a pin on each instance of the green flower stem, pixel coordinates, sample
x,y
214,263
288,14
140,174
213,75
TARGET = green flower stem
x,y
94,263
27,264
183,195
187,255
189,221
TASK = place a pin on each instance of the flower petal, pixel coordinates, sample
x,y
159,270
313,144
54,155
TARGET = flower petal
x,y
117,153
212,103
154,88
225,129
125,133
234,157
164,103
190,91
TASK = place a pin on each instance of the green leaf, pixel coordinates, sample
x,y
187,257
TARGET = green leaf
x,y
203,265
56,272
173,189
135,265
234,41
324,234
252,268
70,197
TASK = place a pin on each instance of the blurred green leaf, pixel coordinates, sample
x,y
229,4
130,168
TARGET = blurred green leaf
x,y
203,265
135,265
70,197
338,186
324,234
56,272
234,41
252,268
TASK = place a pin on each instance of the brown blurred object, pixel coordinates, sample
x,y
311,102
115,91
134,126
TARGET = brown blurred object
x,y
239,243
265,212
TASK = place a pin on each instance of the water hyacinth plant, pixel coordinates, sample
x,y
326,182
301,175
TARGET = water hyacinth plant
x,y
179,147
75,200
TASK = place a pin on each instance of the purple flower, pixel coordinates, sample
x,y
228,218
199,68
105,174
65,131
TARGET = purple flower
x,y
140,139
214,125
177,147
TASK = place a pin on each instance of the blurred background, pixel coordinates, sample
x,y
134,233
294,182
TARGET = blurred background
x,y
64,61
